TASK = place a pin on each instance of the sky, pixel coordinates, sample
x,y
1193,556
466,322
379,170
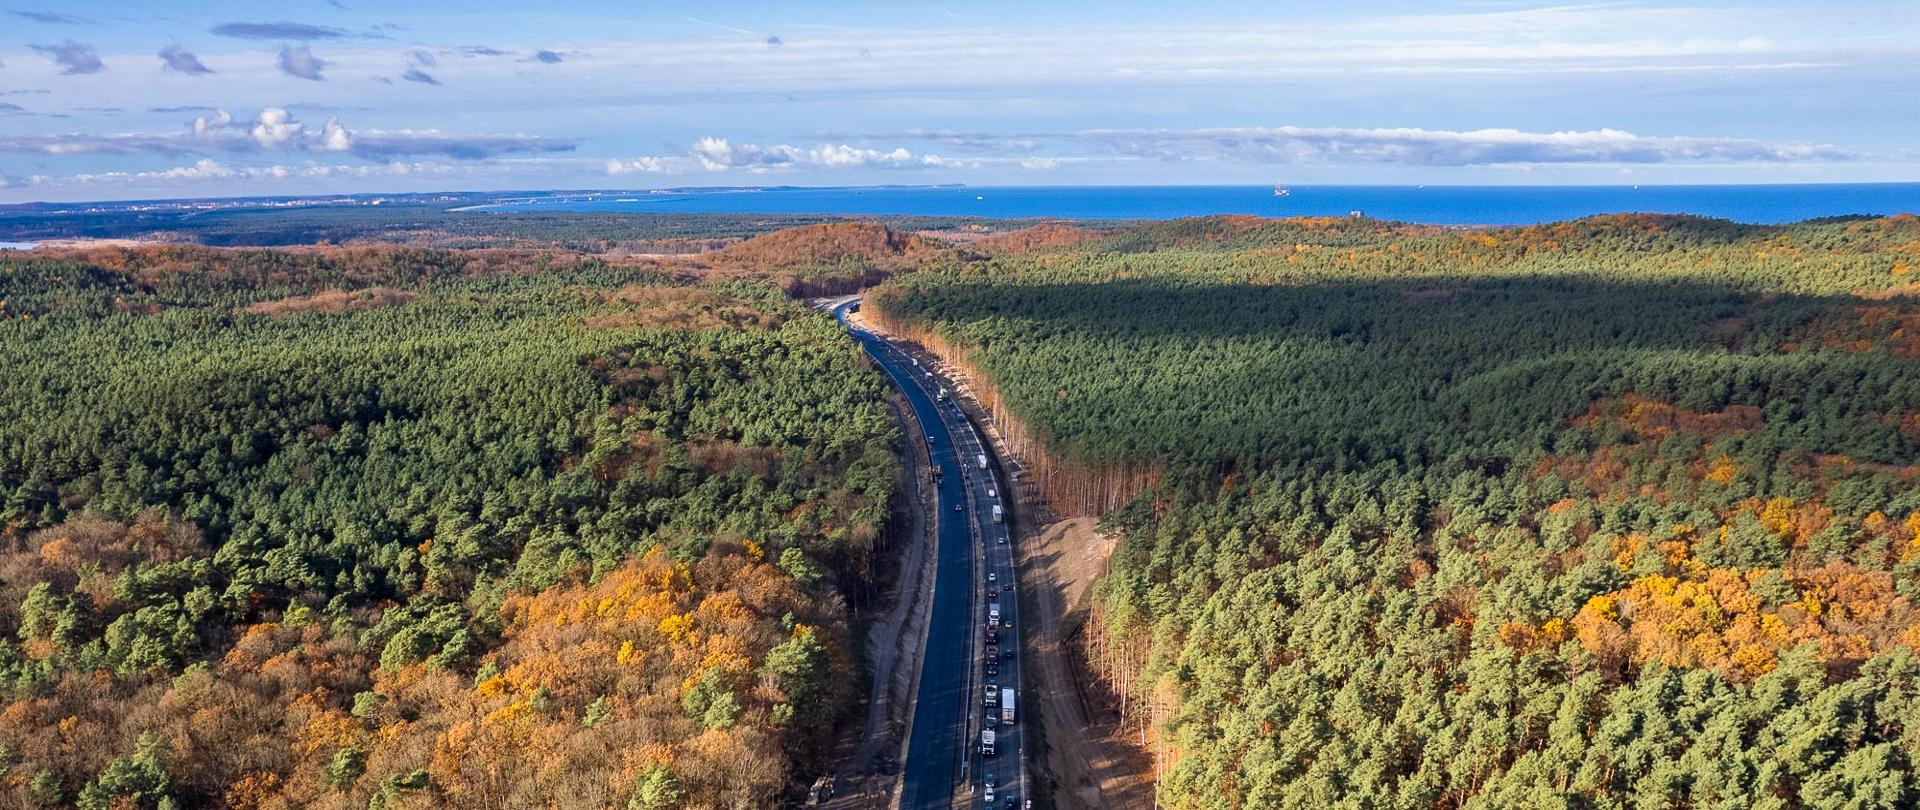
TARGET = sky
x,y
131,100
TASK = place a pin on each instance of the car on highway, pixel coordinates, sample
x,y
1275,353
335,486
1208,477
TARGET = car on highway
x,y
956,507
992,577
989,795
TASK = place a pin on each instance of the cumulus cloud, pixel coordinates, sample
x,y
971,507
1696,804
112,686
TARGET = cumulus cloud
x,y
481,50
1425,147
206,124
276,30
639,165
275,127
415,74
11,108
334,137
774,42
73,58
549,57
180,60
298,61
720,154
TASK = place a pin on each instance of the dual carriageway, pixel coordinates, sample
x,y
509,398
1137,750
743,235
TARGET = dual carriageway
x,y
946,763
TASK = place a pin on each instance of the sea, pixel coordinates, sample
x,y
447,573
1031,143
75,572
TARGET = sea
x,y
1439,205
4,245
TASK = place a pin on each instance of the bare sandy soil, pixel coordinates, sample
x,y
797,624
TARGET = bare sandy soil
x,y
1086,761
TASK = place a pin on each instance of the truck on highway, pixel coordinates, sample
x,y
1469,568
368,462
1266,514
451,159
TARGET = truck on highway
x,y
1006,706
993,612
996,513
986,742
981,459
993,652
943,395
938,471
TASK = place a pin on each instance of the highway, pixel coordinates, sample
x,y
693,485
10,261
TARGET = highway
x,y
944,765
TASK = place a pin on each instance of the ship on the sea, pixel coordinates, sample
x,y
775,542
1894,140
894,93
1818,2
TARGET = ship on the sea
x,y
1281,191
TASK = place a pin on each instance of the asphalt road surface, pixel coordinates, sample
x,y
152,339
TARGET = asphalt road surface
x,y
944,761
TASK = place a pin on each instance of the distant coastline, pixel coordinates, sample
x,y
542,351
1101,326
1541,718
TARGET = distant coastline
x,y
1458,206
1435,205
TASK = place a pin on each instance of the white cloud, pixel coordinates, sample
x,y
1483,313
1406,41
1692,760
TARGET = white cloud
x,y
208,169
1425,147
275,127
335,137
639,165
720,154
205,124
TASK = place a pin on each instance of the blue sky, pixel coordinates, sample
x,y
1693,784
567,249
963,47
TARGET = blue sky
x,y
115,100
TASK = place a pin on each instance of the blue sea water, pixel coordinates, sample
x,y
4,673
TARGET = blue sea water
x,y
1440,205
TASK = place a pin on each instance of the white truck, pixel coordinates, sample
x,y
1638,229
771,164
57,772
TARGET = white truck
x,y
993,613
986,742
1006,706
996,513
981,459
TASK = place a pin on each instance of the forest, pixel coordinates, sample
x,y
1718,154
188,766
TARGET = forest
x,y
445,221
1612,513
400,528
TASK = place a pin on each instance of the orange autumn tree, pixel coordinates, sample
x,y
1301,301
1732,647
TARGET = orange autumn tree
x,y
658,667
